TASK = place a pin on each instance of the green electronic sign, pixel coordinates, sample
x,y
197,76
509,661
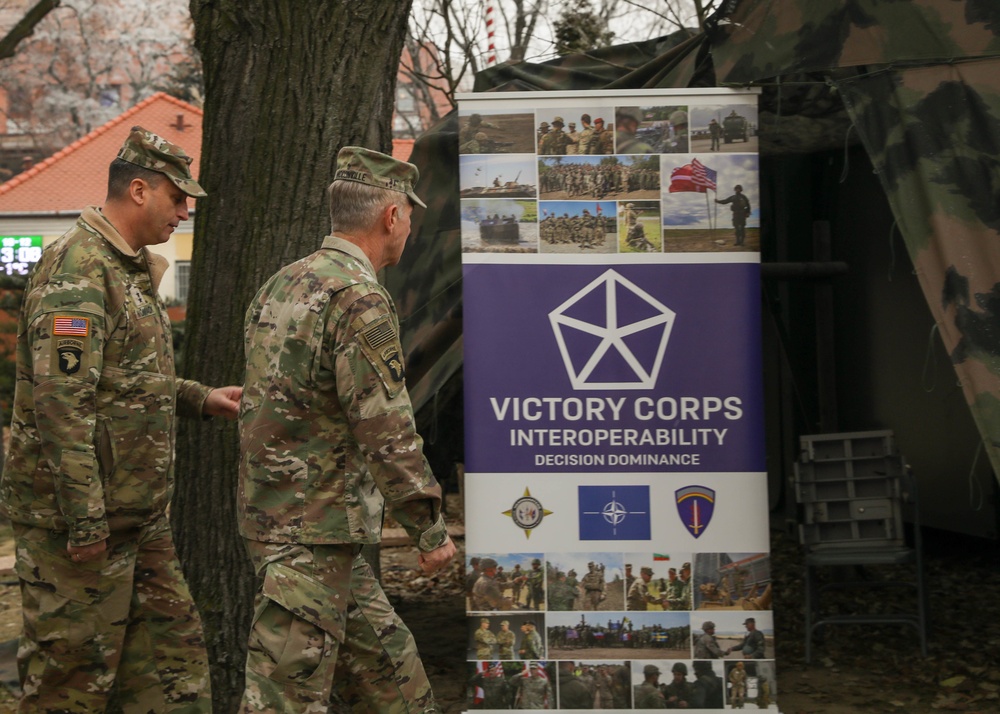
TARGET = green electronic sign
x,y
19,253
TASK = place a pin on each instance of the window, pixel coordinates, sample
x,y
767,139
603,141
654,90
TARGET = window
x,y
404,100
182,279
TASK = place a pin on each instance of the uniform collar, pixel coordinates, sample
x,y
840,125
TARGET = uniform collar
x,y
333,242
157,264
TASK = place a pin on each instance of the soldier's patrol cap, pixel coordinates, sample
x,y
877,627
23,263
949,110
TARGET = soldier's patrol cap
x,y
505,623
708,625
679,667
572,125
484,621
650,669
630,112
672,570
373,168
749,619
146,149
558,120
686,566
628,565
645,570
487,563
544,124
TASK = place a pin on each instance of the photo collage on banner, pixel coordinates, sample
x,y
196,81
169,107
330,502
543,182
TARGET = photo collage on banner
x,y
616,500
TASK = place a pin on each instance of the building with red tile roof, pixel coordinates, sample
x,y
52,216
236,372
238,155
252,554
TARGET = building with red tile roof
x,y
46,199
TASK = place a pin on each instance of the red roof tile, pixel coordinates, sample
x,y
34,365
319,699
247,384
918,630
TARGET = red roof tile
x,y
77,176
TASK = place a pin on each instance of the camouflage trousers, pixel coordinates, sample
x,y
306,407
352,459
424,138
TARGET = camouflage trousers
x,y
321,624
124,622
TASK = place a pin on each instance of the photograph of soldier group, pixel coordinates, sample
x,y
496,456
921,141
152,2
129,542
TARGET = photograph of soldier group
x,y
577,226
732,581
496,132
724,127
594,685
639,227
564,132
512,685
651,130
678,685
644,634
594,177
657,584
506,582
735,635
506,637
585,581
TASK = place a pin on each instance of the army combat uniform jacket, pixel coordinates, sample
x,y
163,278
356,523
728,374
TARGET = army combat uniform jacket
x,y
326,427
93,427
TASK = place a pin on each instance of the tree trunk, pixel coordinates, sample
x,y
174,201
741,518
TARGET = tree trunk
x,y
287,83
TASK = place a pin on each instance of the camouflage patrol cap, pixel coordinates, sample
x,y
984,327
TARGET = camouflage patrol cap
x,y
487,563
750,619
146,149
708,625
543,125
504,623
686,566
679,667
629,112
645,570
373,168
558,120
484,621
650,669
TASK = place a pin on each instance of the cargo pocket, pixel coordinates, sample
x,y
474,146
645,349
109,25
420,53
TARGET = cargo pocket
x,y
296,631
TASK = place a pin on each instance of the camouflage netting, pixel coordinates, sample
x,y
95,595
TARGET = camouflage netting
x,y
916,81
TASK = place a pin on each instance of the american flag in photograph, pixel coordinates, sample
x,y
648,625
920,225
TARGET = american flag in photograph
x,y
702,176
79,326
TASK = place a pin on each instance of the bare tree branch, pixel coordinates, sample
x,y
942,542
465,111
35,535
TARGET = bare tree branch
x,y
25,27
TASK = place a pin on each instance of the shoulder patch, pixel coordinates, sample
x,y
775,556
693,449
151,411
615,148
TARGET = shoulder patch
x,y
66,325
381,347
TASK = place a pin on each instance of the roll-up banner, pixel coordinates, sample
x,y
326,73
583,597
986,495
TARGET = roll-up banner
x,y
616,500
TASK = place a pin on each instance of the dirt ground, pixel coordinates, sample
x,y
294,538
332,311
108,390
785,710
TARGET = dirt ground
x,y
855,669
721,240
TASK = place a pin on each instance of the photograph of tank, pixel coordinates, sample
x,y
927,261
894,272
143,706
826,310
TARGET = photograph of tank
x,y
724,127
492,225
497,177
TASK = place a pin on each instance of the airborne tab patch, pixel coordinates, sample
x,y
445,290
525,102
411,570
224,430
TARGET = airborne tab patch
x,y
380,345
70,356
65,325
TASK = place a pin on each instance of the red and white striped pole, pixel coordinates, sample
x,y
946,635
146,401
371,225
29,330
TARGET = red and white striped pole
x,y
491,57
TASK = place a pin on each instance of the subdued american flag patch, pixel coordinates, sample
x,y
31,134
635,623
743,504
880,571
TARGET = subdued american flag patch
x,y
379,334
79,326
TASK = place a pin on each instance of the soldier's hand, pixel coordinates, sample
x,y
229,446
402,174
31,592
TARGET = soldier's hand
x,y
224,402
437,558
87,553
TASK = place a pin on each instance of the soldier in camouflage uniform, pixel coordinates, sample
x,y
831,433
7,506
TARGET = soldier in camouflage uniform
x,y
534,691
485,640
496,691
603,140
505,641
89,476
706,646
573,693
556,141
531,643
627,121
740,207
678,693
327,443
638,596
593,587
648,694
487,593
737,686
536,585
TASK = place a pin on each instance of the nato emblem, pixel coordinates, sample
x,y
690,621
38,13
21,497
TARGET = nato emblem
x,y
612,334
614,512
695,506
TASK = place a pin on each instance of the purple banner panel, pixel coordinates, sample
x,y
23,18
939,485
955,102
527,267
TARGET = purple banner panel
x,y
620,367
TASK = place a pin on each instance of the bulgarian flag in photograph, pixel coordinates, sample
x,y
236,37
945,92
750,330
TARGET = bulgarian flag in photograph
x,y
660,556
692,178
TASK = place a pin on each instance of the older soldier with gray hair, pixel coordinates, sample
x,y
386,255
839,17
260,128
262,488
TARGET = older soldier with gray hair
x,y
327,443
89,477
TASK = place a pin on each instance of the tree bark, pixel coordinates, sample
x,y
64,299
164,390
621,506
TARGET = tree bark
x,y
287,83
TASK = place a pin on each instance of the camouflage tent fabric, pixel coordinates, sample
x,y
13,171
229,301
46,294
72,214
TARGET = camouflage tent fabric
x,y
916,81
